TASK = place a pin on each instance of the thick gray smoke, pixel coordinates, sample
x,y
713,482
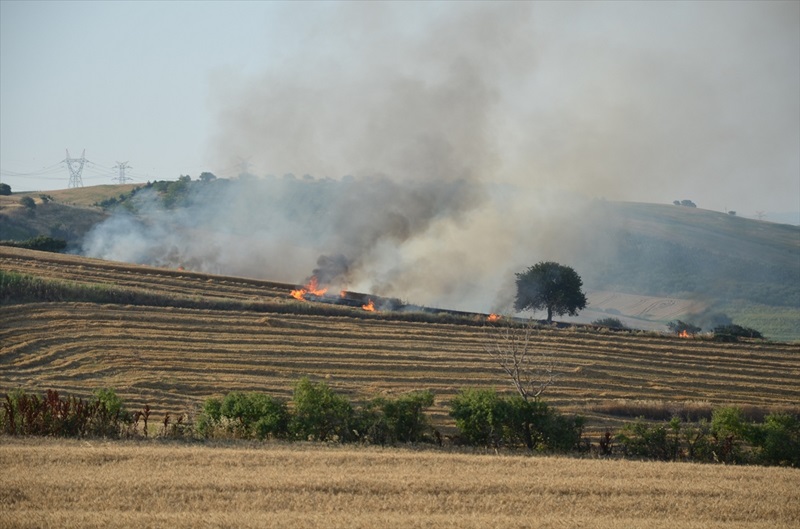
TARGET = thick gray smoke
x,y
477,135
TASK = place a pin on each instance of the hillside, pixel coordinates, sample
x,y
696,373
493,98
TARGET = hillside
x,y
172,338
64,214
646,264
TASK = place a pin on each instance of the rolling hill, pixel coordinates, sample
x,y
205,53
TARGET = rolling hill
x,y
646,264
172,338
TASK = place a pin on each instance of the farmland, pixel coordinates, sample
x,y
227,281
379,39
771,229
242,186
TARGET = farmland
x,y
174,357
171,339
66,483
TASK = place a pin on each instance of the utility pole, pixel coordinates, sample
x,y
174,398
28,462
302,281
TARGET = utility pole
x,y
122,179
75,171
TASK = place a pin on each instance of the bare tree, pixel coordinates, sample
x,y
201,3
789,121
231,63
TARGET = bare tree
x,y
531,370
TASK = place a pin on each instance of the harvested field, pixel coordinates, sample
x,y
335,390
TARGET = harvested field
x,y
173,358
64,483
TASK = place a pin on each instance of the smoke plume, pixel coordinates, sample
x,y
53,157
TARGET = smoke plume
x,y
446,148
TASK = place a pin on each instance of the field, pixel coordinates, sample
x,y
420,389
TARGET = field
x,y
63,483
173,358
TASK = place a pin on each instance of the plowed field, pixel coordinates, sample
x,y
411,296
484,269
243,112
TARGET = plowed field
x,y
173,358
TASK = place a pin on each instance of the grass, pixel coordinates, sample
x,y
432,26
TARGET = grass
x,y
63,483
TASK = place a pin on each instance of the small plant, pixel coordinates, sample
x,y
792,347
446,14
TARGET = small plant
x,y
611,323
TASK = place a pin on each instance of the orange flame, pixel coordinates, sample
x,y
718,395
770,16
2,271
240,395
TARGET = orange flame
x,y
685,334
311,288
493,317
369,306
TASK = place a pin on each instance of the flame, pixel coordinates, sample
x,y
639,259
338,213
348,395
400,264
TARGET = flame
x,y
369,306
685,334
311,288
493,317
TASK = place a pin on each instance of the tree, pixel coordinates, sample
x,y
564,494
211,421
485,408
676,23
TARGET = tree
x,y
5,189
551,286
207,177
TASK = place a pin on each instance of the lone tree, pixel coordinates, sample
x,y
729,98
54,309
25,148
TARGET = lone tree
x,y
551,286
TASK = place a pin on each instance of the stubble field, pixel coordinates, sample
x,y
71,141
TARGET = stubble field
x,y
173,358
61,483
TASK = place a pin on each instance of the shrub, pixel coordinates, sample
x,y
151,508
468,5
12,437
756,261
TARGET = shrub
x,y
480,416
486,419
679,326
319,414
401,420
732,332
778,439
611,323
652,441
25,414
28,202
244,416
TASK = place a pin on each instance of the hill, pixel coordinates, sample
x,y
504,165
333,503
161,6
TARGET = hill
x,y
173,338
646,264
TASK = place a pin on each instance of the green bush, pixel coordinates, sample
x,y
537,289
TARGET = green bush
x,y
243,416
480,416
401,420
778,440
319,414
486,419
652,441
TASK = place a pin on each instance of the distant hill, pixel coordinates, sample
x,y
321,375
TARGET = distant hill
x,y
644,263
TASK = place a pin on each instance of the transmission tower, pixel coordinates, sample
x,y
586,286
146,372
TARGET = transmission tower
x,y
75,170
122,179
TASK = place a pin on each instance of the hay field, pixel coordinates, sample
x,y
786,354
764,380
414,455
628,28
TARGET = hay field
x,y
67,483
174,358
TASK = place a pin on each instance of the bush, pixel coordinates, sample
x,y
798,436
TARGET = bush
x,y
28,202
53,415
402,420
732,333
652,441
480,416
486,419
779,440
244,416
41,243
679,327
320,414
611,323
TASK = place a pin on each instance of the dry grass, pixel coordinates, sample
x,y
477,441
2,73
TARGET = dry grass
x,y
62,483
174,358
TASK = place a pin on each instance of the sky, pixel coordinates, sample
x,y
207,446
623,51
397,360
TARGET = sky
x,y
637,101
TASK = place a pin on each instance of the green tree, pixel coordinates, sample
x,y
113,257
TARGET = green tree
x,y
551,286
5,189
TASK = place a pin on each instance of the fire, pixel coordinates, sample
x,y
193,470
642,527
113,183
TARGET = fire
x,y
311,288
369,306
493,317
685,334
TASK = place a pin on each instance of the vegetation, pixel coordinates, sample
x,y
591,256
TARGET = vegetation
x,y
611,323
5,190
550,286
41,243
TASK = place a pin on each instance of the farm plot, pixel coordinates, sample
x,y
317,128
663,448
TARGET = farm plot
x,y
174,358
67,483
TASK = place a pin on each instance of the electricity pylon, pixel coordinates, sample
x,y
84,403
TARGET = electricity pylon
x,y
75,171
122,179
